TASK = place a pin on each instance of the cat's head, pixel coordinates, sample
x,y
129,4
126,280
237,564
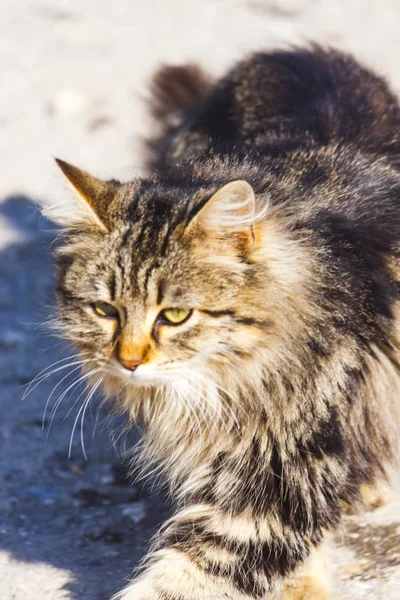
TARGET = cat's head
x,y
158,280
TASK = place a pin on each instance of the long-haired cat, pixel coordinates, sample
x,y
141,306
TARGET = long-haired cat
x,y
240,301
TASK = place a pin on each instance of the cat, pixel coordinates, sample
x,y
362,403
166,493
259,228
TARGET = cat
x,y
241,302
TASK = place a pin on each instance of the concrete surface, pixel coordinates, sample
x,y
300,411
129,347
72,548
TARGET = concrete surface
x,y
73,80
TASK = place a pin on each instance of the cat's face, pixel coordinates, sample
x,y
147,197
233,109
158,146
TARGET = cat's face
x,y
158,290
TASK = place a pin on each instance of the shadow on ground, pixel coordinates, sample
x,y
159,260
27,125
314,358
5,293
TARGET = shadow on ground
x,y
78,515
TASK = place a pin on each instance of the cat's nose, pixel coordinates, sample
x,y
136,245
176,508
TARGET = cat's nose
x,y
130,353
131,365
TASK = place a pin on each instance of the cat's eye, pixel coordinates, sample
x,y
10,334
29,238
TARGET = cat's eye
x,y
104,309
175,316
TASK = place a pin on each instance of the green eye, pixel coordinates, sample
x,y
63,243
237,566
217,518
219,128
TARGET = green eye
x,y
103,309
176,315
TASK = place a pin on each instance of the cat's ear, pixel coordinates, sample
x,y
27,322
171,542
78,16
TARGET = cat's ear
x,y
230,212
88,203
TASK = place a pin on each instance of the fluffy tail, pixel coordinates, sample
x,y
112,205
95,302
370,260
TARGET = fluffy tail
x,y
173,90
176,88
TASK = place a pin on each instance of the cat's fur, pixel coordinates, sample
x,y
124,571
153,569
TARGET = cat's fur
x,y
278,399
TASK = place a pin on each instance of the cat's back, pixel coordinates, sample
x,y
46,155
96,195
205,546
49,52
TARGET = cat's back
x,y
275,102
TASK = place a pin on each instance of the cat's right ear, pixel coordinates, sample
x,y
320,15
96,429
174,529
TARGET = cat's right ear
x,y
89,202
229,215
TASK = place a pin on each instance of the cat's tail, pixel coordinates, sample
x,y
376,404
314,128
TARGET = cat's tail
x,y
174,89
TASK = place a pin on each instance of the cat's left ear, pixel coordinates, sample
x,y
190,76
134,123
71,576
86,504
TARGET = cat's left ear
x,y
89,202
230,212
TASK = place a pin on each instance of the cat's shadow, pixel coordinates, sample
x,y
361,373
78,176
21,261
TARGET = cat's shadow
x,y
80,516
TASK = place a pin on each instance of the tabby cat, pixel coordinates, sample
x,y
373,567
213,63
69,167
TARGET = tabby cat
x,y
240,301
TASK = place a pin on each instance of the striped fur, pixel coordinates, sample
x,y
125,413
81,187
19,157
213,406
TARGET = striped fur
x,y
272,214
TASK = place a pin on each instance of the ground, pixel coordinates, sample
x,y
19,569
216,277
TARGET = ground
x,y
74,78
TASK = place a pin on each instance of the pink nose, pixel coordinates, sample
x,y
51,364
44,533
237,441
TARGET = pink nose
x,y
131,365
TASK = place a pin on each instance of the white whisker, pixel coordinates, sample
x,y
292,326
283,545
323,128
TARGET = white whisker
x,y
83,417
57,362
52,392
82,408
39,378
65,392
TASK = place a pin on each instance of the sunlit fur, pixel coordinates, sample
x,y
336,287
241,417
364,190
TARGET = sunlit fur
x,y
272,212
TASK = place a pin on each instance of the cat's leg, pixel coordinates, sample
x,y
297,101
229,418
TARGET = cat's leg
x,y
312,581
207,554
174,576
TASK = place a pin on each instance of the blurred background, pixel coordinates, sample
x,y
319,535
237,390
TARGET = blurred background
x,y
74,78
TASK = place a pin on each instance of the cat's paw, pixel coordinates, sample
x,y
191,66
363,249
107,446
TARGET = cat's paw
x,y
305,590
376,495
312,581
373,496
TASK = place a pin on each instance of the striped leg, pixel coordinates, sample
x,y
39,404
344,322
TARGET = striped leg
x,y
205,554
174,576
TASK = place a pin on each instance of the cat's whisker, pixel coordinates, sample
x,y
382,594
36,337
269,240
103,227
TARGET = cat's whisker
x,y
84,391
50,326
53,365
44,324
86,404
96,421
65,392
52,393
51,373
38,380
82,408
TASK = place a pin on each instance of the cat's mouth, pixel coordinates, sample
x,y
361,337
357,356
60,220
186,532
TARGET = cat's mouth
x,y
143,375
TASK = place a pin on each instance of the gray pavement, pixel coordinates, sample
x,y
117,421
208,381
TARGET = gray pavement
x,y
73,82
